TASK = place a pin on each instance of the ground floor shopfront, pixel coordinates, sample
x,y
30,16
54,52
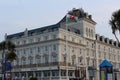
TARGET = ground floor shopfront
x,y
58,73
50,73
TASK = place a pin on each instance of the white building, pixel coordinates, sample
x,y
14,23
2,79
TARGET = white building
x,y
63,52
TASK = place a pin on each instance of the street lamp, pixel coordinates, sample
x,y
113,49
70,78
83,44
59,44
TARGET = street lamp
x,y
91,70
115,72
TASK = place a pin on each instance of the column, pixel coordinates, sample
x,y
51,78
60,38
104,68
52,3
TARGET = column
x,y
26,75
59,74
34,74
42,74
87,74
13,75
50,74
19,75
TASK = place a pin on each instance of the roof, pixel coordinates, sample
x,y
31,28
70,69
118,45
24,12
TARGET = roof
x,y
106,63
34,31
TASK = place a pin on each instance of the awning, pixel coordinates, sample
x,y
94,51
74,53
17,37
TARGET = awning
x,y
106,63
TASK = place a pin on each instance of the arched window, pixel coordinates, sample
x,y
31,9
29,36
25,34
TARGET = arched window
x,y
17,62
23,60
30,60
91,33
87,31
64,58
46,58
38,59
54,57
73,59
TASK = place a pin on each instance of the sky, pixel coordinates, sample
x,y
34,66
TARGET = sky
x,y
17,15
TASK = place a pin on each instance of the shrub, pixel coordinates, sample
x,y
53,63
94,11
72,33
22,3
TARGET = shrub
x,y
33,78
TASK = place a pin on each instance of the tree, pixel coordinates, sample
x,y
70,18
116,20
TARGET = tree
x,y
8,50
115,23
8,53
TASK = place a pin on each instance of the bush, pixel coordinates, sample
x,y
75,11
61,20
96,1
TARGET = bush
x,y
33,78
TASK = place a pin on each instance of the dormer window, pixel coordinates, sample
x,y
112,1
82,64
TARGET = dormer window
x,y
68,29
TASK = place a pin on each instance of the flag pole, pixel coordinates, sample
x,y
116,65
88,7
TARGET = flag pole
x,y
66,45
69,18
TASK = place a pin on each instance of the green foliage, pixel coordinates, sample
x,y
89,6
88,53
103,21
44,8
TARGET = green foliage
x,y
33,78
115,23
8,48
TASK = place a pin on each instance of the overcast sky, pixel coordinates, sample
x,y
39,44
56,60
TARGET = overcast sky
x,y
16,15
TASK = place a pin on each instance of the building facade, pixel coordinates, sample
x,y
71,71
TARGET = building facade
x,y
63,51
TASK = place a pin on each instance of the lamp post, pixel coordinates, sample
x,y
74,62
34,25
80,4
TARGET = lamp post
x,y
115,72
91,70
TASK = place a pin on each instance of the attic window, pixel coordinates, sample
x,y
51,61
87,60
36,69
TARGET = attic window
x,y
76,32
105,40
110,42
68,29
119,44
115,44
100,38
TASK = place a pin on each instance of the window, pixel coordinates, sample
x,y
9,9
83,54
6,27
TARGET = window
x,y
31,40
55,73
70,73
23,75
24,51
73,60
94,62
79,41
99,47
65,37
87,61
18,52
80,60
73,39
63,73
38,39
46,59
30,59
17,62
38,49
54,58
65,48
87,44
23,61
87,31
64,58
119,65
46,37
91,33
54,47
68,29
104,48
104,55
24,41
46,48
18,43
109,56
31,50
87,52
46,73
99,54
38,74
54,36
72,50
38,59
92,45
80,51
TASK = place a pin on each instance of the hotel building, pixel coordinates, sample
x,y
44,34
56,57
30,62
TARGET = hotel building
x,y
63,51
